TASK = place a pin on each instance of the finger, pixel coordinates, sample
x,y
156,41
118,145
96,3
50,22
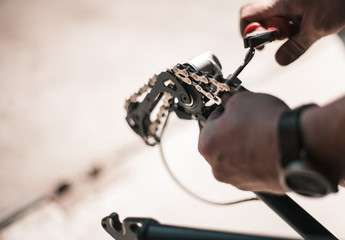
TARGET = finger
x,y
244,23
256,11
294,48
281,26
216,113
226,97
220,109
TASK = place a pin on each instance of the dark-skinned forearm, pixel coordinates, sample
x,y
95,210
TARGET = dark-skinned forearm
x,y
324,135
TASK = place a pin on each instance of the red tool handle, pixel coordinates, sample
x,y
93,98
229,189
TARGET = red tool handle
x,y
278,24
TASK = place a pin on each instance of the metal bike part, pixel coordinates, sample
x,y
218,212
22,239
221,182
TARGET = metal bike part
x,y
195,94
297,218
192,90
206,62
150,229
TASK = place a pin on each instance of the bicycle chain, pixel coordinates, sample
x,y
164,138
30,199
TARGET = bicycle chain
x,y
207,84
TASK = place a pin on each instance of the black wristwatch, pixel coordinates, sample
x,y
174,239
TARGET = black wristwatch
x,y
298,172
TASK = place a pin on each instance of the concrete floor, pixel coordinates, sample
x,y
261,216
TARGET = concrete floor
x,y
66,68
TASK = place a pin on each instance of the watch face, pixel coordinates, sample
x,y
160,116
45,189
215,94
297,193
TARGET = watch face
x,y
306,181
311,185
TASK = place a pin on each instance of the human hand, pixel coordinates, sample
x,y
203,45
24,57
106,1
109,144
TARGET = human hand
x,y
241,145
313,19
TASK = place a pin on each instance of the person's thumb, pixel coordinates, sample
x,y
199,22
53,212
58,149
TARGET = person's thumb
x,y
294,48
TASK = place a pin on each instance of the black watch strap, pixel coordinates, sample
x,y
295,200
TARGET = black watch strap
x,y
291,140
298,173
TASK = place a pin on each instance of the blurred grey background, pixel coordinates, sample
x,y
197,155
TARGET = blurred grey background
x,y
66,68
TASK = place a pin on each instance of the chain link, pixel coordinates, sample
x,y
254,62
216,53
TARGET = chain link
x,y
208,85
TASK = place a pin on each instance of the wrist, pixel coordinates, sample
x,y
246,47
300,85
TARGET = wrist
x,y
318,131
299,170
